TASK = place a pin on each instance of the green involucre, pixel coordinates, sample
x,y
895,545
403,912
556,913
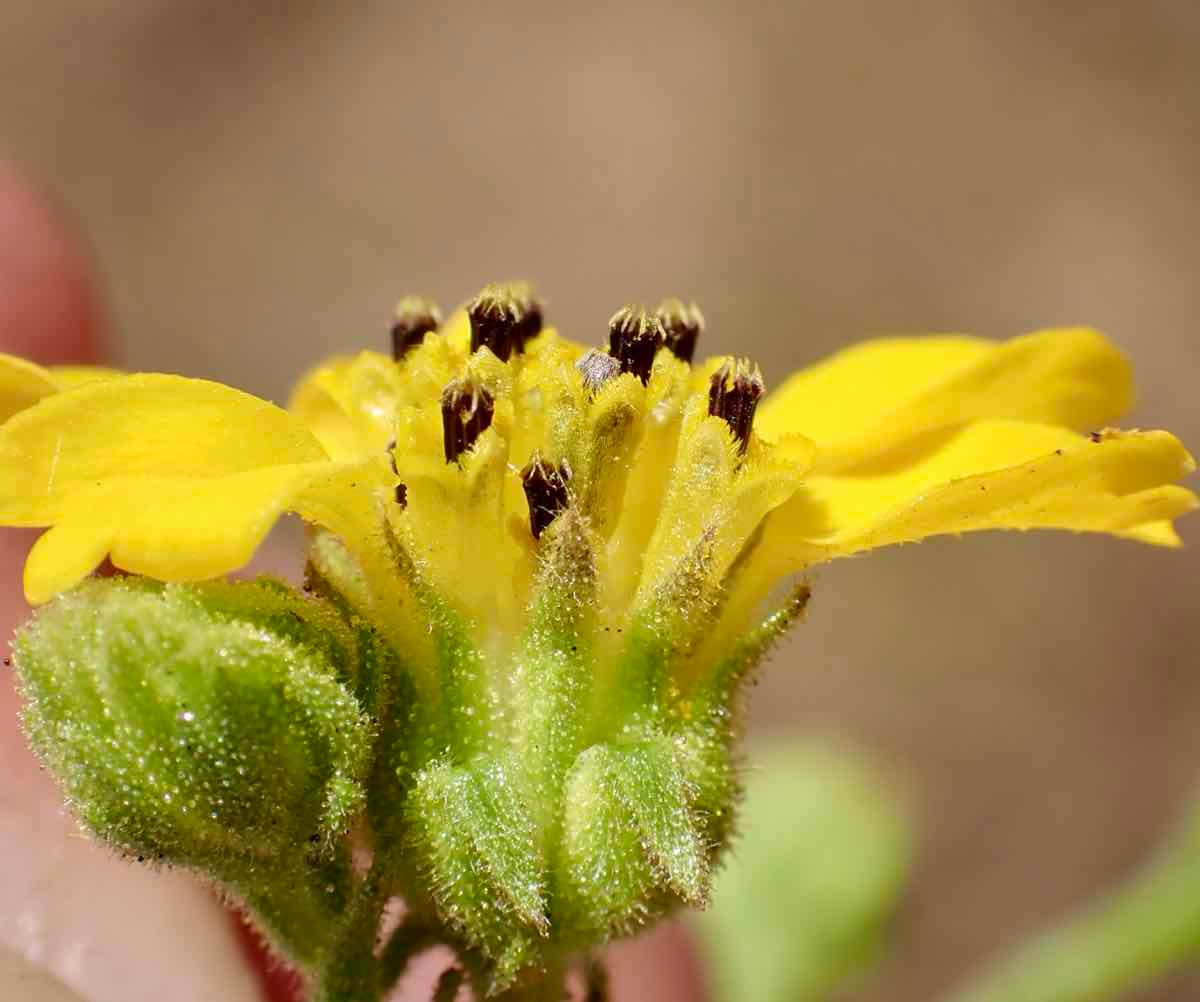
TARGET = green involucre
x,y
528,809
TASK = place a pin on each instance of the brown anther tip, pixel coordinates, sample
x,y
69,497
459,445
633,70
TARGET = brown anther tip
x,y
597,368
467,410
504,316
733,395
682,324
634,337
545,491
414,317
401,494
535,315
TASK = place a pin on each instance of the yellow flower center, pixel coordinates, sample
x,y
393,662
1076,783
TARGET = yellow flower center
x,y
495,426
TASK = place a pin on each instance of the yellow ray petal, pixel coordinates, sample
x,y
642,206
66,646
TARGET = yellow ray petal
x,y
989,475
69,376
133,425
317,402
350,403
22,384
992,475
882,394
186,528
1156,533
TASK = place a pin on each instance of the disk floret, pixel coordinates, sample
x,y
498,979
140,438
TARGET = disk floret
x,y
504,316
415,317
682,324
634,337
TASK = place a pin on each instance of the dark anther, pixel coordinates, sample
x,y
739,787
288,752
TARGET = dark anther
x,y
597,368
634,337
401,489
531,325
682,324
546,491
733,395
467,410
415,317
504,317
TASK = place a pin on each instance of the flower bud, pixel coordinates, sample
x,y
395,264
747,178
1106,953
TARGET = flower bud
x,y
205,727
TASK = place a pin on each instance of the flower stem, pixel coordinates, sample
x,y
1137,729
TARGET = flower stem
x,y
547,988
596,980
1144,930
289,917
351,972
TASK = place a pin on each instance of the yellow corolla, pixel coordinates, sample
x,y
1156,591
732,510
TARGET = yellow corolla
x,y
446,462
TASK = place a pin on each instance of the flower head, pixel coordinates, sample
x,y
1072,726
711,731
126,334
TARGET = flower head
x,y
568,554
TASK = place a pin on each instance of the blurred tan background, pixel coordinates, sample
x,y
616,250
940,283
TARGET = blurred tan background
x,y
261,182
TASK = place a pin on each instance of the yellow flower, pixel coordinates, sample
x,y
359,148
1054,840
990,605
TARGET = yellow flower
x,y
537,575
677,470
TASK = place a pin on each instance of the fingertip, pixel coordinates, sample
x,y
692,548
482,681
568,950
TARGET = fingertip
x,y
660,965
50,307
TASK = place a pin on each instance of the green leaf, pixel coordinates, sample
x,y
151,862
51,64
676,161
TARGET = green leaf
x,y
800,900
1125,941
